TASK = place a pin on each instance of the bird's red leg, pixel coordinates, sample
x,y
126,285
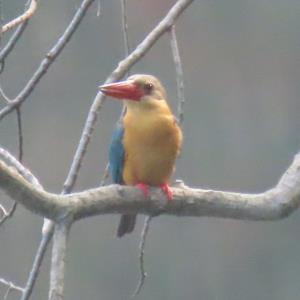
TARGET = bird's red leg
x,y
144,188
167,190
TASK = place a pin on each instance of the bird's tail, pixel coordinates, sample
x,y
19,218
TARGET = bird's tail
x,y
126,225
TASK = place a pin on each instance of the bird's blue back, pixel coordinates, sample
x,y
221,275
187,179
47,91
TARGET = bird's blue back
x,y
117,155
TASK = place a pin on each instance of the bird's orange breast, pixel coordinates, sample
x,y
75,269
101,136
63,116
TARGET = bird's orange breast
x,y
152,142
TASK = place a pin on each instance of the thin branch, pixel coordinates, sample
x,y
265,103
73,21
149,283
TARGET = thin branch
x,y
274,204
125,33
143,273
20,134
19,124
39,256
20,145
26,173
48,60
11,285
122,68
22,18
105,175
2,209
20,152
125,27
1,18
3,95
12,41
59,249
7,214
179,74
98,14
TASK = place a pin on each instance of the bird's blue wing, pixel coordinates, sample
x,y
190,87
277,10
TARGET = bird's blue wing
x,y
117,155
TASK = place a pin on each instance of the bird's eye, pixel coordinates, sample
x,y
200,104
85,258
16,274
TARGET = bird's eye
x,y
148,87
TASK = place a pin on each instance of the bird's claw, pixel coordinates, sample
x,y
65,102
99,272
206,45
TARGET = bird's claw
x,y
144,188
167,191
164,187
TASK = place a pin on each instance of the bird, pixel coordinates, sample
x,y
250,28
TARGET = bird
x,y
146,141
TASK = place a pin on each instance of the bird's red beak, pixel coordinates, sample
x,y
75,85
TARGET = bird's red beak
x,y
122,90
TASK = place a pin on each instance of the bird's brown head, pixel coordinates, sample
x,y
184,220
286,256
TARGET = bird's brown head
x,y
137,90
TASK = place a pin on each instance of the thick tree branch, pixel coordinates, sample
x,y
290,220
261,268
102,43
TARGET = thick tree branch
x,y
57,276
273,204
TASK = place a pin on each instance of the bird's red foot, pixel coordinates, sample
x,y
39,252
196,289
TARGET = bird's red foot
x,y
167,190
144,188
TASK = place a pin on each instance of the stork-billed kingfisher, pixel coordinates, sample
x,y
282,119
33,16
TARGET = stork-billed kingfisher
x,y
147,140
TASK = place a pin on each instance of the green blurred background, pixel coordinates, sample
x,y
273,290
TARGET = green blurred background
x,y
241,63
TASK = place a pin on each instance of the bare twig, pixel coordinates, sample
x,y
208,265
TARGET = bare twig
x,y
3,95
22,18
7,214
39,256
48,60
19,123
179,74
105,175
12,161
125,35
98,14
2,209
11,286
122,68
1,16
125,28
20,152
20,134
56,290
12,42
143,273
